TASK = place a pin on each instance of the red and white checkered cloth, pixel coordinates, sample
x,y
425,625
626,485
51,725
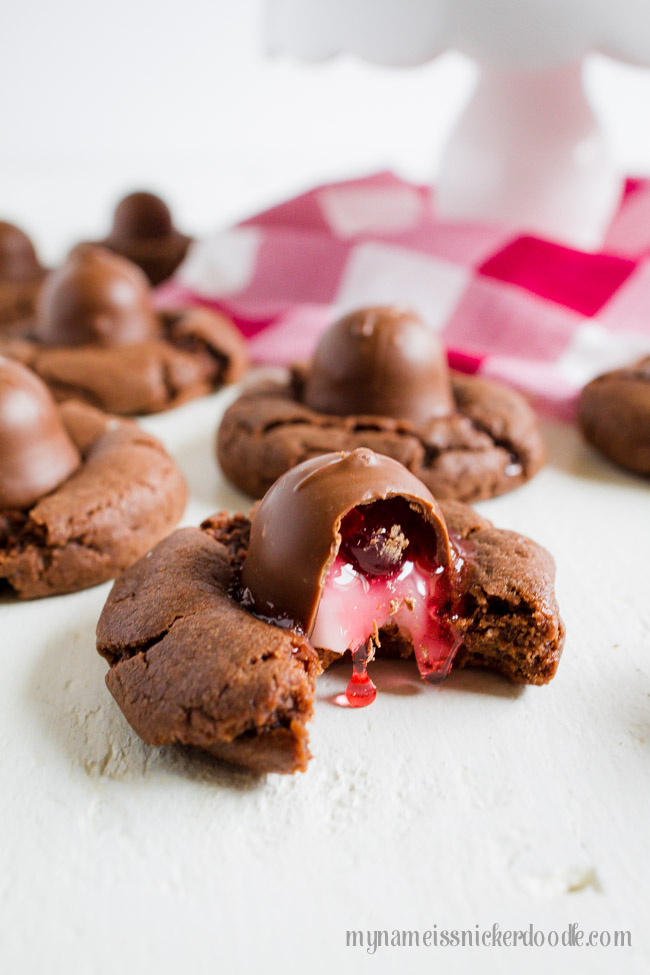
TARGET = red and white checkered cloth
x,y
542,317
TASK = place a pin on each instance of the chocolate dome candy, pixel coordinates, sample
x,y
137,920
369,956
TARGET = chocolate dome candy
x,y
295,532
347,543
96,298
21,275
142,216
36,453
144,233
18,260
380,362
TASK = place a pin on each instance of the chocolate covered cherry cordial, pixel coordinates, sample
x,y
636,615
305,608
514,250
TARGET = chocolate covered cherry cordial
x,y
379,379
95,299
144,233
216,638
36,452
82,494
21,275
373,551
99,338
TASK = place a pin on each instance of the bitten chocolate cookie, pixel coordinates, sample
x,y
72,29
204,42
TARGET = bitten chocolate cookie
x,y
144,233
614,415
97,337
379,379
82,494
21,275
216,639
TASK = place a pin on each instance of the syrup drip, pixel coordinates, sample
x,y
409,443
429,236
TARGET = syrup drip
x,y
360,691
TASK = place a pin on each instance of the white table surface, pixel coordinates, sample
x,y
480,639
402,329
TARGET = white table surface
x,y
472,803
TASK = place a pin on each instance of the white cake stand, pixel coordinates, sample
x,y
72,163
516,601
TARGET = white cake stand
x,y
528,149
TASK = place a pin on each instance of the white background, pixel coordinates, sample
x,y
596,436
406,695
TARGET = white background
x,y
472,803
97,99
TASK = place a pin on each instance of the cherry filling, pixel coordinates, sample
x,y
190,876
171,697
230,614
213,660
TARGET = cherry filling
x,y
386,572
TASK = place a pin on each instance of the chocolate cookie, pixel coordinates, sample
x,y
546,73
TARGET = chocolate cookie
x,y
614,415
144,233
189,664
98,338
379,379
82,494
200,654
21,275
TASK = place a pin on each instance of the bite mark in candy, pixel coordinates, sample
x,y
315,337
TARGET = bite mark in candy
x,y
345,544
384,573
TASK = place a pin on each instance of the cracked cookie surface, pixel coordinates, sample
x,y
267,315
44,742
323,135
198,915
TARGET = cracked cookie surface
x,y
490,445
189,664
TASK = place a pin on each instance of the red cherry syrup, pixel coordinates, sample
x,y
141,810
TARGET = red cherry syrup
x,y
360,691
386,572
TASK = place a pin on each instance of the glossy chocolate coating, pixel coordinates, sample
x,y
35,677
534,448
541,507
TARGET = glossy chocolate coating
x,y
96,298
295,530
18,258
36,453
141,215
380,362
143,232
